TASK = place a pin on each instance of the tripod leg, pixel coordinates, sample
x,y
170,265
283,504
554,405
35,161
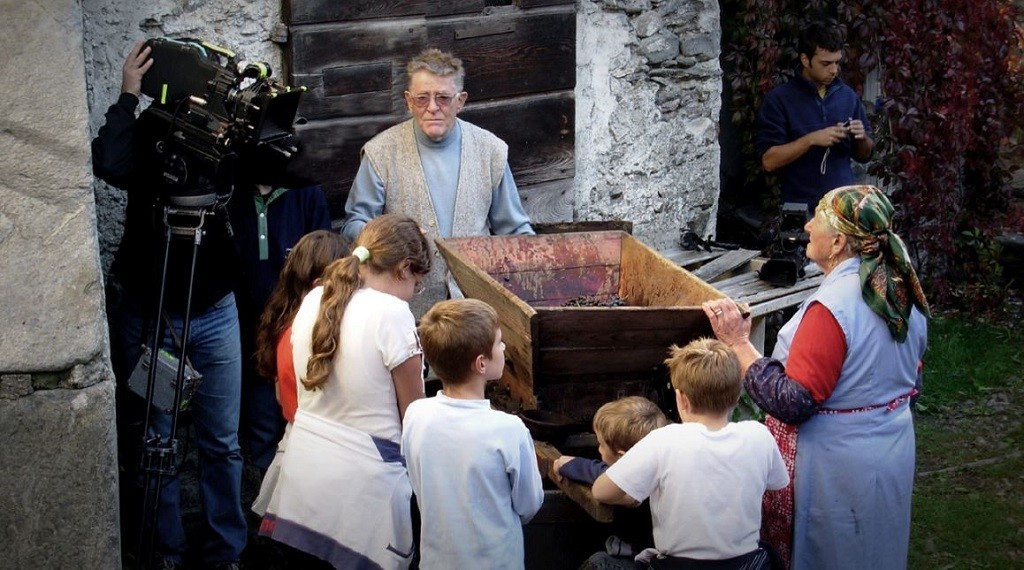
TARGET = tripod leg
x,y
160,448
151,445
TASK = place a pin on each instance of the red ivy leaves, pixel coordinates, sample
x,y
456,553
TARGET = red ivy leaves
x,y
951,106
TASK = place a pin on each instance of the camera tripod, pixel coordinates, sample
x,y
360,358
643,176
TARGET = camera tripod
x,y
159,453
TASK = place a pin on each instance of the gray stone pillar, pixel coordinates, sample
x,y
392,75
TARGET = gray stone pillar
x,y
648,97
58,468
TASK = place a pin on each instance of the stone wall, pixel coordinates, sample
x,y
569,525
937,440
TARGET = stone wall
x,y
648,88
58,477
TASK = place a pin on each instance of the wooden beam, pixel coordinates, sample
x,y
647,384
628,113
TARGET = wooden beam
x,y
569,226
687,258
313,11
578,492
725,263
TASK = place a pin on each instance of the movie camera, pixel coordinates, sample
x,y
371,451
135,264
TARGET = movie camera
x,y
207,109
787,253
782,240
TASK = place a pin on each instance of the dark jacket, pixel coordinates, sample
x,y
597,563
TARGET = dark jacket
x,y
794,109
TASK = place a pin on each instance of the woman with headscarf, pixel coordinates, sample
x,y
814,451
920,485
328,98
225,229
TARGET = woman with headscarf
x,y
837,390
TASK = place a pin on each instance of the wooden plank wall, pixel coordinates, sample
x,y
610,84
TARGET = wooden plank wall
x,y
520,59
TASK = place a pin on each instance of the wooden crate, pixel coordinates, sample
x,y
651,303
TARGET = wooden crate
x,y
576,358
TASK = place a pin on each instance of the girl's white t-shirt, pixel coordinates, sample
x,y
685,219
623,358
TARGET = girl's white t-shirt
x,y
378,333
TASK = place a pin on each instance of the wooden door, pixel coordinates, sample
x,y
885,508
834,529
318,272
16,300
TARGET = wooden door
x,y
520,59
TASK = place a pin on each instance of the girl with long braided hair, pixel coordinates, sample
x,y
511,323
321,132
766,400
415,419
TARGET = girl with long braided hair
x,y
344,493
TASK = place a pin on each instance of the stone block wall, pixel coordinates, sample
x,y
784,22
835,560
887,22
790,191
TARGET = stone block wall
x,y
649,90
58,476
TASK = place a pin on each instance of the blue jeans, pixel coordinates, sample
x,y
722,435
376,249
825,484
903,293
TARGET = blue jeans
x,y
214,350
262,425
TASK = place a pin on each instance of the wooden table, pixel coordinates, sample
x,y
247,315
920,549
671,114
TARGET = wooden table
x,y
734,273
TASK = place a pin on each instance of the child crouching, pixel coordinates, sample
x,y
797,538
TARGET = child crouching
x,y
618,425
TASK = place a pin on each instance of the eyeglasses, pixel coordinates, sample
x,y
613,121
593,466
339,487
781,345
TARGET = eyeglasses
x,y
443,100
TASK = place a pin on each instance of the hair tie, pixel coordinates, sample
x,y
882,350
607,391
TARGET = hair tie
x,y
362,253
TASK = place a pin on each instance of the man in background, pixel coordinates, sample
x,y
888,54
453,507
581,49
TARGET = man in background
x,y
809,128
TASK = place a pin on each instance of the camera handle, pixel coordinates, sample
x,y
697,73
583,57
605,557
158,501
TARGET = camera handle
x,y
159,455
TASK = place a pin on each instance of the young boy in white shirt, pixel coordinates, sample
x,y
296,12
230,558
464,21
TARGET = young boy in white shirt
x,y
473,469
705,476
618,425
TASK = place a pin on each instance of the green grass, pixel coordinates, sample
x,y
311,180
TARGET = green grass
x,y
969,494
965,360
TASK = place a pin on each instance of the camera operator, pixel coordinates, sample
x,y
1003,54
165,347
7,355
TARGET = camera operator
x,y
213,344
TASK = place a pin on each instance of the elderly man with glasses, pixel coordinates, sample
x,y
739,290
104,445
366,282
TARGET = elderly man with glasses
x,y
450,175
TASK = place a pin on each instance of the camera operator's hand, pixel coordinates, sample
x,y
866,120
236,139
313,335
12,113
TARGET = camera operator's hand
x,y
137,64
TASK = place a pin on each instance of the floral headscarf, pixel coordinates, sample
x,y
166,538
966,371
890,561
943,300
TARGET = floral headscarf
x,y
888,281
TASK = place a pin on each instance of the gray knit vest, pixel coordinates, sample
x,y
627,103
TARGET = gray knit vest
x,y
395,157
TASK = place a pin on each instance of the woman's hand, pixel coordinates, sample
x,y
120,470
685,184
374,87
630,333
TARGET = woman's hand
x,y
732,328
727,321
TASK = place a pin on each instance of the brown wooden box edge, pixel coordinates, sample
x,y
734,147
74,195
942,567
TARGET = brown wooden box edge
x,y
523,276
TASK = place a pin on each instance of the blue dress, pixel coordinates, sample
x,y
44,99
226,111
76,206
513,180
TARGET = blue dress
x,y
855,457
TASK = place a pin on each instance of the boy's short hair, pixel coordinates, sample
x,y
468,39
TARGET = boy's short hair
x,y
453,333
707,372
625,421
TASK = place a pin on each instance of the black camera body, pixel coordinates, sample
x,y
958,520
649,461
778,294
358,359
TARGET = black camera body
x,y
787,254
791,227
207,109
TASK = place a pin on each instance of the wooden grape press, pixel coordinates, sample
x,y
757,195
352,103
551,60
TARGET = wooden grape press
x,y
567,353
